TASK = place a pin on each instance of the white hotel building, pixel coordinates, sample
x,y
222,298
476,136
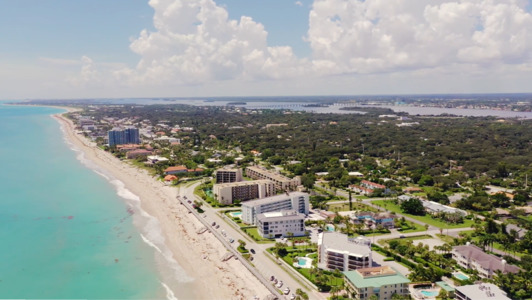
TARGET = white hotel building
x,y
278,224
297,201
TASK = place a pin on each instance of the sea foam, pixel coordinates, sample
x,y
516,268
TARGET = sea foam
x,y
149,227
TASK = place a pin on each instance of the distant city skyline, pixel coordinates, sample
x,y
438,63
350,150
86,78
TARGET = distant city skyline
x,y
219,48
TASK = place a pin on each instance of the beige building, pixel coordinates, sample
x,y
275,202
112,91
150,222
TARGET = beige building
x,y
226,193
382,282
282,183
338,251
228,175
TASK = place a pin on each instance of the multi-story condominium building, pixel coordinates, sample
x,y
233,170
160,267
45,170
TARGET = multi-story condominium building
x,y
228,175
383,282
280,224
227,193
338,251
119,136
297,201
483,291
472,257
282,183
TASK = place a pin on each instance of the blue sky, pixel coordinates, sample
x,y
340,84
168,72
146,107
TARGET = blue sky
x,y
128,48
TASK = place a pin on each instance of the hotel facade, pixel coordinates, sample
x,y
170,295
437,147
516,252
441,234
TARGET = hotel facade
x,y
226,193
282,183
297,201
336,251
228,175
279,224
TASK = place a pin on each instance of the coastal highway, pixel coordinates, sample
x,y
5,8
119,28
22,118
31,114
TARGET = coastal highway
x,y
263,265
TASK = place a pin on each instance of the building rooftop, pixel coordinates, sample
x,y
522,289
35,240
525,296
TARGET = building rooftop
x,y
483,291
342,243
270,173
444,285
487,261
243,183
176,168
274,198
279,215
434,206
375,277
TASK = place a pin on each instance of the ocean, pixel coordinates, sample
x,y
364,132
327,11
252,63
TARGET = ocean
x,y
67,230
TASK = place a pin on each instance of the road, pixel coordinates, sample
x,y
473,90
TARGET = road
x,y
263,265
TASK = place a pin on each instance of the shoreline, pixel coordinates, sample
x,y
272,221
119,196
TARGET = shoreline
x,y
199,255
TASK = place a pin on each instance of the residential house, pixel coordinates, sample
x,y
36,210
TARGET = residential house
x,y
367,187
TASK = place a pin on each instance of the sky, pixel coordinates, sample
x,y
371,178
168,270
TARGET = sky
x,y
64,49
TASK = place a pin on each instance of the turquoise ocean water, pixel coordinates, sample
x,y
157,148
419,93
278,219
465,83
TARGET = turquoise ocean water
x,y
67,230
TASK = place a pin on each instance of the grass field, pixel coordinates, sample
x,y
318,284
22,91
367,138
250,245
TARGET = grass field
x,y
345,207
391,206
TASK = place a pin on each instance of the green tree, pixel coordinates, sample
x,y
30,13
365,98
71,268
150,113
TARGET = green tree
x,y
413,206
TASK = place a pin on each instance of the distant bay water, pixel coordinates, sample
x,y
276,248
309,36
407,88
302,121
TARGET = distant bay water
x,y
66,230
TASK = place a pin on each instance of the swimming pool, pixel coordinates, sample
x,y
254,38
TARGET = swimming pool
x,y
302,262
461,276
236,214
429,293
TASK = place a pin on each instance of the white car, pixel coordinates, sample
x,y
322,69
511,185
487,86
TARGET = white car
x,y
280,284
292,297
286,291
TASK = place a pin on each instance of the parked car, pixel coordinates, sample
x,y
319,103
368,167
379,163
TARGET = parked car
x,y
286,291
213,224
292,297
252,251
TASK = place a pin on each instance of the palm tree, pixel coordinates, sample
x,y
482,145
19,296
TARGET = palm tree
x,y
334,289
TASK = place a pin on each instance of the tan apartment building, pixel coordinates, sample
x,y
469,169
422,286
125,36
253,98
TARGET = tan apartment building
x,y
282,183
226,193
228,175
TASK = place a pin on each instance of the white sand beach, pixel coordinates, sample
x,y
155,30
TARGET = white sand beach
x,y
198,254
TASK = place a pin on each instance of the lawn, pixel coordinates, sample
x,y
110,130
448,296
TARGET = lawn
x,y
345,207
417,228
391,206
412,238
254,234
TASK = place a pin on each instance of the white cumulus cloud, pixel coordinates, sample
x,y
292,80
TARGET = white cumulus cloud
x,y
372,36
196,43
